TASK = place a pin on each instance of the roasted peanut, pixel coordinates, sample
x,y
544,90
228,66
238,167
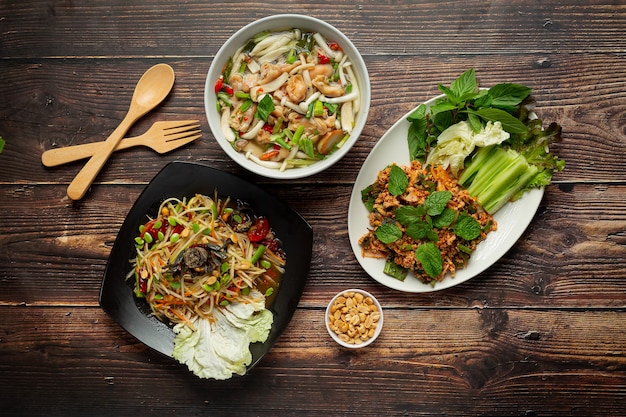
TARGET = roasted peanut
x,y
354,317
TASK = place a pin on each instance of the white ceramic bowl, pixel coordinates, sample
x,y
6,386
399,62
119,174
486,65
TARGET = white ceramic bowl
x,y
343,341
275,23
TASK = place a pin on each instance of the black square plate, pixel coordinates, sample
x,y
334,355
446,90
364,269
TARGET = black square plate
x,y
184,179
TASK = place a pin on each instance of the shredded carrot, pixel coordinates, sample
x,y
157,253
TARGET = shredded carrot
x,y
268,155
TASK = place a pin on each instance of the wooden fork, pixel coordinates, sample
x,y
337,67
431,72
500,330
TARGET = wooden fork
x,y
162,137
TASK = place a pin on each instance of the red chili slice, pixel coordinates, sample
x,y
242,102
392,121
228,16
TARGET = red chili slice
x,y
334,46
323,59
259,229
219,84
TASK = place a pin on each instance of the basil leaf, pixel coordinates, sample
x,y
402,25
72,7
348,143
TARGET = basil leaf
x,y
417,138
418,114
508,94
466,227
509,123
429,256
398,181
436,202
388,233
464,86
409,214
442,107
265,107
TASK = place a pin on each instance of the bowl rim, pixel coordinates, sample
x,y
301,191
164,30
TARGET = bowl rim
x,y
278,22
334,336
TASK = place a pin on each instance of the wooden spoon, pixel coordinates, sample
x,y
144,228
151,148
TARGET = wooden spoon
x,y
152,88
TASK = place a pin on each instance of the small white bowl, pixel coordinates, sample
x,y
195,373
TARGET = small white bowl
x,y
275,23
360,342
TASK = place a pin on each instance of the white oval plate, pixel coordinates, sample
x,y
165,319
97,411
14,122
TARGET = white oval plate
x,y
512,219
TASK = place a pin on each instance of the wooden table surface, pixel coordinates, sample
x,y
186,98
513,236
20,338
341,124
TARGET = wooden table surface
x,y
540,333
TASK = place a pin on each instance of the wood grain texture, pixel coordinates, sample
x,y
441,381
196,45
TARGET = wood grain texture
x,y
540,333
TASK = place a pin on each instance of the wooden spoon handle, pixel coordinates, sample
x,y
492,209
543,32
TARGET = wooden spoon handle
x,y
60,156
85,177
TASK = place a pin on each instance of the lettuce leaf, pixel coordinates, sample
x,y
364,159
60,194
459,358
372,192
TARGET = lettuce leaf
x,y
220,348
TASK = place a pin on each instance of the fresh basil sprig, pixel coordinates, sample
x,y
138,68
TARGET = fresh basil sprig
x,y
465,101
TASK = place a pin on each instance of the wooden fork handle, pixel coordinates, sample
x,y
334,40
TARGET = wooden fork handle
x,y
60,156
85,177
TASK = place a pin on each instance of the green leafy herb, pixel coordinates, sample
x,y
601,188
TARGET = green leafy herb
x,y
504,171
421,230
265,107
436,202
466,227
444,219
388,233
398,181
409,214
429,256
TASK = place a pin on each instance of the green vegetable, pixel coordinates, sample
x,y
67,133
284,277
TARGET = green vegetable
x,y
496,175
436,202
297,134
492,170
388,233
429,256
466,227
409,214
220,349
394,270
398,181
2,143
258,253
265,107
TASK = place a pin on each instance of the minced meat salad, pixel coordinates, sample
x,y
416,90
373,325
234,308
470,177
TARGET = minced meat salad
x,y
422,221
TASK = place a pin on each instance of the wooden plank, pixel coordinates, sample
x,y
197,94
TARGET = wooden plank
x,y
480,361
61,103
572,254
199,28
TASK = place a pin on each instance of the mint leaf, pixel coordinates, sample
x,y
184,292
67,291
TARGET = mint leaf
x,y
398,181
409,214
388,233
466,227
419,230
445,219
429,256
436,202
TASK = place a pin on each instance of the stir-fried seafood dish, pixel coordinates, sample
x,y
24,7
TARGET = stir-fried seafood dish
x,y
288,99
